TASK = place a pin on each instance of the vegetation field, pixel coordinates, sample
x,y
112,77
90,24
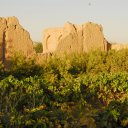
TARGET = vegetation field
x,y
85,90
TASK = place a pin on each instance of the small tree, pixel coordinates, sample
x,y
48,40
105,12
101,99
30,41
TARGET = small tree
x,y
38,47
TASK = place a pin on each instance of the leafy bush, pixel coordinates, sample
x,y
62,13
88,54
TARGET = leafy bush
x,y
114,116
3,71
78,90
38,47
22,67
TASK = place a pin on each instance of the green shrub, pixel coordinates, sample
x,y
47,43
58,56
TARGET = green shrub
x,y
114,116
22,67
38,47
77,90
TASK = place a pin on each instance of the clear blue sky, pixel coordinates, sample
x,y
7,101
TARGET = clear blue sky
x,y
36,15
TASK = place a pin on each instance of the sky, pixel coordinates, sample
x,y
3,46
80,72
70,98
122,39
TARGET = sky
x,y
37,15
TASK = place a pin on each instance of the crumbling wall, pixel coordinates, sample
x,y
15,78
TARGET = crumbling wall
x,y
13,38
75,38
119,46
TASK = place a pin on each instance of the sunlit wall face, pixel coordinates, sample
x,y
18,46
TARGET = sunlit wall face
x,y
36,15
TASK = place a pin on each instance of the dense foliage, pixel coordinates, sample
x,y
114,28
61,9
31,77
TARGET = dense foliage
x,y
73,91
38,47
